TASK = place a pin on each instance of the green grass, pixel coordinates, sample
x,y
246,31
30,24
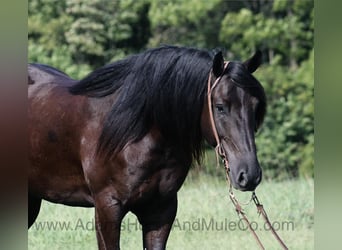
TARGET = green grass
x,y
202,200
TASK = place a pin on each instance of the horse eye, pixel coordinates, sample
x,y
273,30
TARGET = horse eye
x,y
219,108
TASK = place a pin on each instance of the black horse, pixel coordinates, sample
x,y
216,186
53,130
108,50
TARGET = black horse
x,y
123,138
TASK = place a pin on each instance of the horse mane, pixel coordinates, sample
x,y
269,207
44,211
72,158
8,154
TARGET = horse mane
x,y
162,87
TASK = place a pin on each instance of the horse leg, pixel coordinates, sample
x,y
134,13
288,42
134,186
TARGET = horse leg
x,y
156,223
33,209
108,216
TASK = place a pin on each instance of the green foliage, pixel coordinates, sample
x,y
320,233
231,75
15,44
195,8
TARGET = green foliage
x,y
285,142
189,23
285,31
77,36
101,29
87,34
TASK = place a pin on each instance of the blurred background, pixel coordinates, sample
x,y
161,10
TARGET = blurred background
x,y
78,36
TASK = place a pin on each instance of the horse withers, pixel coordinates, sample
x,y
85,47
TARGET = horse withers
x,y
123,138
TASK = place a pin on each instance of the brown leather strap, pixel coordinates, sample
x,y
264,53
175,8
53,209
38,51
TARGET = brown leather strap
x,y
239,210
218,149
262,211
211,115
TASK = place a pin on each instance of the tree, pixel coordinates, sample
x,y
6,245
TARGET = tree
x,y
285,142
283,30
188,23
105,30
76,36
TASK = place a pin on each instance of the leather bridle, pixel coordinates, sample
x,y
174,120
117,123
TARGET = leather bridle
x,y
219,148
220,152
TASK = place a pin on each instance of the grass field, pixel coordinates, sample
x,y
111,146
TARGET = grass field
x,y
205,220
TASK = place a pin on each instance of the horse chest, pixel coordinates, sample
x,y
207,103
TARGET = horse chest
x,y
143,171
159,178
159,186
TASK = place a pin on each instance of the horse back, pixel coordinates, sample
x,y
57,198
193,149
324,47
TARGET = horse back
x,y
41,73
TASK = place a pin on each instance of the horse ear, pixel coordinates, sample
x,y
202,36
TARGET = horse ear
x,y
254,62
218,64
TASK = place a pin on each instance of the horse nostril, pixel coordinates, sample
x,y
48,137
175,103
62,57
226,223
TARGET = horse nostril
x,y
246,181
242,179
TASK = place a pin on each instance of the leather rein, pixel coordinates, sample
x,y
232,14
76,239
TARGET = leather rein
x,y
221,153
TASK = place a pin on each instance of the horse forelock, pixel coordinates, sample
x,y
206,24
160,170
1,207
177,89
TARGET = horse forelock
x,y
245,80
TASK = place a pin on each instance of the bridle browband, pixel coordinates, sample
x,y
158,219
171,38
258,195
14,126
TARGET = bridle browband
x,y
220,152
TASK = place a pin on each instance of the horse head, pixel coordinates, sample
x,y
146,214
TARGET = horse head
x,y
235,109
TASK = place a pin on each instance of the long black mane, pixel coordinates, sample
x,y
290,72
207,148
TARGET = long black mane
x,y
163,88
